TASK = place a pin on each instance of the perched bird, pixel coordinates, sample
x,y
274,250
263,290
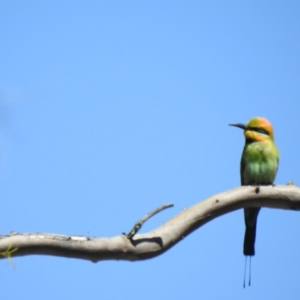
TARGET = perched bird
x,y
259,164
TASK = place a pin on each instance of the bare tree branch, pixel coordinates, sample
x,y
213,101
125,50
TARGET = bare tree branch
x,y
138,225
157,241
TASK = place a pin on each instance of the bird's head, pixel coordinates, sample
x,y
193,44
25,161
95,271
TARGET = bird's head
x,y
257,129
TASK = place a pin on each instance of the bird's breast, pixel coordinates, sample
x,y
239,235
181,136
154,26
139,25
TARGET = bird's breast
x,y
259,164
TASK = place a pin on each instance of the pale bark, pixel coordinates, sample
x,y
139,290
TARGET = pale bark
x,y
157,241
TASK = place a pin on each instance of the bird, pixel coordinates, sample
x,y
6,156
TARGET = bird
x,y
259,165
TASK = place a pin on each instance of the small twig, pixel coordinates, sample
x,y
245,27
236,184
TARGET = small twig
x,y
137,226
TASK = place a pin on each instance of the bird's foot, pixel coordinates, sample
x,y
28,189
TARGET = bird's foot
x,y
257,188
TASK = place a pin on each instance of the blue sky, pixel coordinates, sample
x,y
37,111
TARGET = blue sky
x,y
109,109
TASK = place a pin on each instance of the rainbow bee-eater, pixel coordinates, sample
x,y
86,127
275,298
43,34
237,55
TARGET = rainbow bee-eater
x,y
259,164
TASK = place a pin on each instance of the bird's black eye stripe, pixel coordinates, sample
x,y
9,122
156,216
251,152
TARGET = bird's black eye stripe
x,y
260,130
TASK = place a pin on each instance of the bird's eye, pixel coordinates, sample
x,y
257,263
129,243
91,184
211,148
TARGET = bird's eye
x,y
260,130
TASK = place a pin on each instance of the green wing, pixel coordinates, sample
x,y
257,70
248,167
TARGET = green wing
x,y
242,168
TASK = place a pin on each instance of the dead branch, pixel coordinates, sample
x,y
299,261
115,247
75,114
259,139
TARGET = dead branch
x,y
157,241
137,226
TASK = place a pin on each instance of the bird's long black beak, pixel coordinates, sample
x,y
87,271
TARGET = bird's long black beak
x,y
239,125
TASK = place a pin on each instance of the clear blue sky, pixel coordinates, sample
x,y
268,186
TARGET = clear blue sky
x,y
109,109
